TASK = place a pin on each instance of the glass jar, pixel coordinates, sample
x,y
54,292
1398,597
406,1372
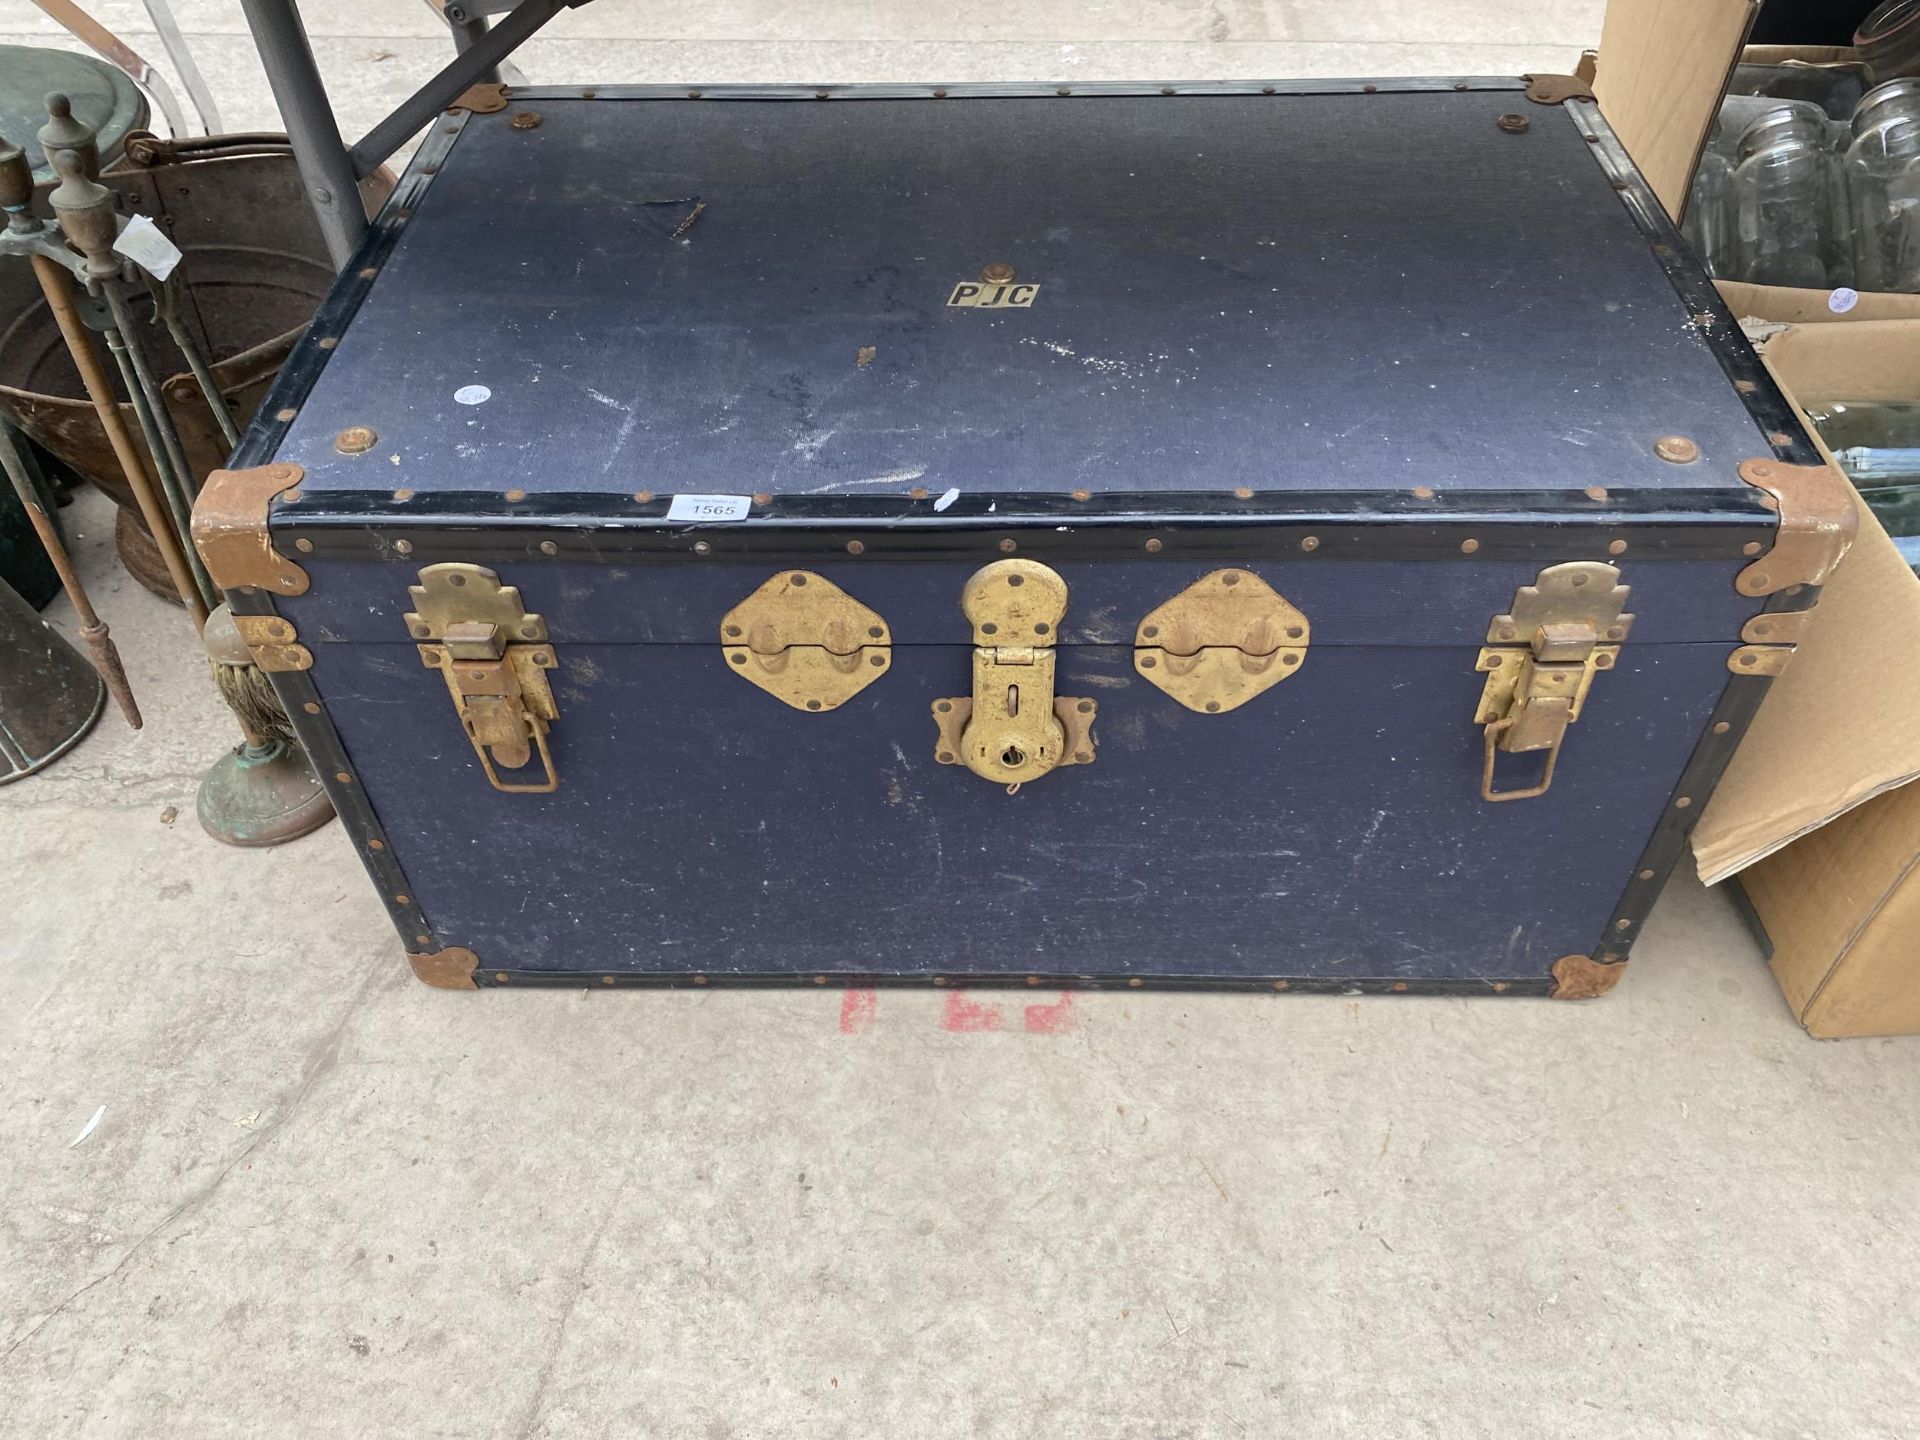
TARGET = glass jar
x,y
1788,227
1709,224
1883,187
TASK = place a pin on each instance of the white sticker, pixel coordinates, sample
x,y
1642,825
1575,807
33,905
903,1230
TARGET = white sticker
x,y
147,246
473,394
947,499
1843,300
709,507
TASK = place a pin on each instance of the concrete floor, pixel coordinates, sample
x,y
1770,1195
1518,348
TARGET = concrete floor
x,y
323,1199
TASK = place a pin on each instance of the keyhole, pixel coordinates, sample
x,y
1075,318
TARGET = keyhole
x,y
1013,757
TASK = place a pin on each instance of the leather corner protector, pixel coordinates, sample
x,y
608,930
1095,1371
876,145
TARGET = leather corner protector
x,y
1777,627
1557,89
1760,659
1818,520
273,643
480,99
449,969
1581,977
230,530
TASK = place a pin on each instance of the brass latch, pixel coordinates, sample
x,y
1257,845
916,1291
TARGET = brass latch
x,y
805,640
494,657
1013,728
1540,662
1224,639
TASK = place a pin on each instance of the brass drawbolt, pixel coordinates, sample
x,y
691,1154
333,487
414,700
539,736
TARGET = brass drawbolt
x,y
1013,728
1540,662
494,657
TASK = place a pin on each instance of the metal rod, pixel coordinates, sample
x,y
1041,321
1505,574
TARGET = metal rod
x,y
178,51
156,425
468,31
466,68
106,656
56,285
197,363
325,167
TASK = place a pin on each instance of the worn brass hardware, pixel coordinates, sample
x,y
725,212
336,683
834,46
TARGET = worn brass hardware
x,y
1221,641
449,969
230,530
273,643
1777,627
1760,659
1540,662
804,640
1557,89
1818,520
1581,977
1013,728
480,99
494,657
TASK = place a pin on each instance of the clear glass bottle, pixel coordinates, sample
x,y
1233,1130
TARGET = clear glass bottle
x,y
1883,187
1788,215
1709,223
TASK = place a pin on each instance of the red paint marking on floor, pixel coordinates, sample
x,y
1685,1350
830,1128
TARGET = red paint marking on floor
x,y
1055,1019
856,1011
966,1016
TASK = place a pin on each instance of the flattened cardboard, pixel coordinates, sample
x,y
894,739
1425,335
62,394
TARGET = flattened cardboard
x,y
1842,724
1788,306
1663,67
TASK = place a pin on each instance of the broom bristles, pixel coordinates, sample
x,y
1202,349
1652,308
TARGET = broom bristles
x,y
249,694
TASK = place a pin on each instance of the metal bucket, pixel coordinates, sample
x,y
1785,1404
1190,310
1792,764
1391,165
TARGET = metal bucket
x,y
49,696
255,271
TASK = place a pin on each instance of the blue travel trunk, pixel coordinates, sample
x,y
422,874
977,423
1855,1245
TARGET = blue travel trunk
x,y
1323,535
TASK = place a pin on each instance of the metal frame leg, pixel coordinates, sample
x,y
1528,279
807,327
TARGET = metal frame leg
x,y
325,168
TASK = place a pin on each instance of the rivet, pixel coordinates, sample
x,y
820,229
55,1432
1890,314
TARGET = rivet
x,y
643,497
1146,662
1720,727
403,494
283,416
813,704
343,777
1759,583
701,547
1242,492
514,497
376,844
819,979
1746,387
1085,707
943,706
1423,492
354,440
1646,874
1083,494
1284,984
1033,979
423,939
1683,802
1500,987
369,272
1166,90
1619,184
939,94
1616,547
1459,84
1311,542
761,497
403,899
1063,91
1212,706
856,547
1136,982
329,342
1153,545
939,979
1623,924
606,979
1752,547
1369,89
1676,449
403,547
699,979
999,272
1399,987
946,757
918,492
1008,546
1268,90
877,661
311,708
291,497
1779,437
547,547
305,547
500,977
526,120
693,94
1514,124
1596,492
1467,547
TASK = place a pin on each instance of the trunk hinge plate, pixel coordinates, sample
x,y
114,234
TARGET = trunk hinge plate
x,y
1223,640
804,640
1540,661
494,657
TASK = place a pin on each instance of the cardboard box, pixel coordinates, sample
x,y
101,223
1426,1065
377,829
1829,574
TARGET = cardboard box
x,y
1816,815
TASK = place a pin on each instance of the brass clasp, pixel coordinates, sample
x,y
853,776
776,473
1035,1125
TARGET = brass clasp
x,y
494,657
1013,728
1540,662
805,641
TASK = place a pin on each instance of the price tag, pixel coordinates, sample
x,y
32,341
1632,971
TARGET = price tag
x,y
709,508
1843,300
144,243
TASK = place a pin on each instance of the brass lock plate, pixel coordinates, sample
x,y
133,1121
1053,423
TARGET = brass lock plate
x,y
1013,728
1225,639
805,641
494,656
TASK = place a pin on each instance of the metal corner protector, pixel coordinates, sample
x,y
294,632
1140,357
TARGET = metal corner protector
x,y
1557,89
230,530
1819,518
1581,977
449,969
